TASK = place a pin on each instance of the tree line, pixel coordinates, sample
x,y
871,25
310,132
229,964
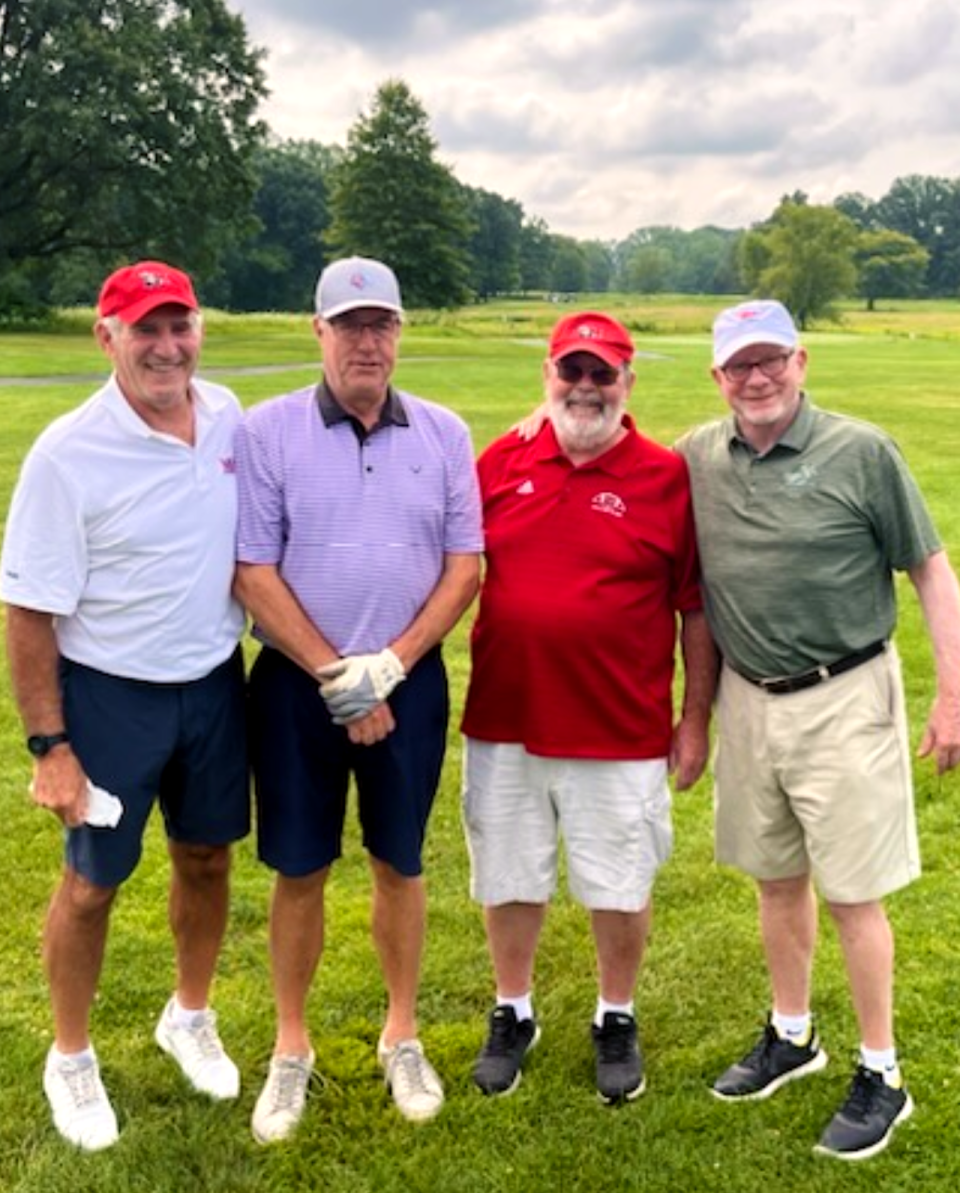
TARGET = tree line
x,y
105,157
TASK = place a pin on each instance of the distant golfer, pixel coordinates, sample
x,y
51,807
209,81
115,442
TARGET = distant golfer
x,y
802,518
122,639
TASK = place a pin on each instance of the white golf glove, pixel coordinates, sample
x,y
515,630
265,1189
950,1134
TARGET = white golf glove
x,y
354,686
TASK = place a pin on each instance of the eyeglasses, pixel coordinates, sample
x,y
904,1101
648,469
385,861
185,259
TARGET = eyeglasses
x,y
602,375
770,366
352,327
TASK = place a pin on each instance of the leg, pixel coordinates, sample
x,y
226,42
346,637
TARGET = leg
x,y
513,930
867,943
399,928
788,924
620,939
199,895
296,944
75,936
788,921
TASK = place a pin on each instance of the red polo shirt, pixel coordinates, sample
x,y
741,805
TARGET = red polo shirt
x,y
586,570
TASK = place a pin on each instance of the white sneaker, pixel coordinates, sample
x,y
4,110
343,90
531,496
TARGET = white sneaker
x,y
280,1105
81,1109
415,1087
199,1053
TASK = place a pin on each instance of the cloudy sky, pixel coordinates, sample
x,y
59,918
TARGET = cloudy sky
x,y
602,116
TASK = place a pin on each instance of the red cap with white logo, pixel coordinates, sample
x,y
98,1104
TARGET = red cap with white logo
x,y
594,333
134,291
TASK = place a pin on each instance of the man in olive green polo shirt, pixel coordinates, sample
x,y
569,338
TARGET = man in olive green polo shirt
x,y
802,518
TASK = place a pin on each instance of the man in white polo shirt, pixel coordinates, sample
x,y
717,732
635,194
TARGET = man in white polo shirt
x,y
122,637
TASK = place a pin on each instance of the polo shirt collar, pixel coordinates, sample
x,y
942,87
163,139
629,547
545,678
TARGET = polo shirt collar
x,y
392,413
795,438
618,460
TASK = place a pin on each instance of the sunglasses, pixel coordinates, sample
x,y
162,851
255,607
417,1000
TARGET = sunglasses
x,y
601,375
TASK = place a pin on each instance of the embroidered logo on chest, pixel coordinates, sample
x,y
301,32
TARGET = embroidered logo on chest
x,y
609,503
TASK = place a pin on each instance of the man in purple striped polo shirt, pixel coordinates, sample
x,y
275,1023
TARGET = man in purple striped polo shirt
x,y
358,551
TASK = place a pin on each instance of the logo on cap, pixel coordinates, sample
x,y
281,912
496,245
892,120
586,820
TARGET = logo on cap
x,y
152,280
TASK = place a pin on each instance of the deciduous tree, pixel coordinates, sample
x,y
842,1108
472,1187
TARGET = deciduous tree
x,y
804,257
393,200
126,129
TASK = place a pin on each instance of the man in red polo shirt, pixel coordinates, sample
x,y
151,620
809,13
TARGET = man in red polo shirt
x,y
591,566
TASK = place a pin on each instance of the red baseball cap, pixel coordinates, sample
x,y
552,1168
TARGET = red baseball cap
x,y
134,291
594,333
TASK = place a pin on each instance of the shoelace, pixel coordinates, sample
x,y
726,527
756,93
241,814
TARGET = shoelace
x,y
503,1034
762,1047
81,1082
203,1037
615,1043
288,1087
408,1071
863,1090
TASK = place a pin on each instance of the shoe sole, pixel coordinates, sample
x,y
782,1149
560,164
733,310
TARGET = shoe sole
x,y
619,1099
503,1093
812,1066
874,1149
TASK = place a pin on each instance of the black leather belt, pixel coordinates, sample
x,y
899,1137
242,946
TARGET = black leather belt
x,y
809,679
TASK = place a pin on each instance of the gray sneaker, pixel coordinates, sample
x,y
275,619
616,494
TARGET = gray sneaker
x,y
81,1109
281,1103
771,1063
864,1124
198,1051
498,1067
410,1078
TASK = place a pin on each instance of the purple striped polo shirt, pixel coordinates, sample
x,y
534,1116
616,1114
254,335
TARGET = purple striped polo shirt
x,y
358,531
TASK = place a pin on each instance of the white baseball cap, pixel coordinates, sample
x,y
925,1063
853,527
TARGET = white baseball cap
x,y
761,321
357,282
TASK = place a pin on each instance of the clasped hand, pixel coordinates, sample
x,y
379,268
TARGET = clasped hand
x,y
353,687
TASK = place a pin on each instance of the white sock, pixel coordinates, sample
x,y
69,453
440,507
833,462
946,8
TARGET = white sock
x,y
522,1005
180,1016
882,1060
614,1008
84,1054
795,1028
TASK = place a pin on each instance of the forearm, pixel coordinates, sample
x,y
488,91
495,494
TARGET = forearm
x,y
450,599
701,665
281,617
34,658
939,595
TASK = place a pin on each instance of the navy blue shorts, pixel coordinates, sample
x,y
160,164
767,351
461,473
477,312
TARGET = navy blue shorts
x,y
182,744
302,765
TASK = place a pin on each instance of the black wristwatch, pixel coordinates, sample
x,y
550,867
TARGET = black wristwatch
x,y
40,744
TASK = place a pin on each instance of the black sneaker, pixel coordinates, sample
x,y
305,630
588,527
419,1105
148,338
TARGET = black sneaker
x,y
497,1069
771,1063
864,1123
619,1063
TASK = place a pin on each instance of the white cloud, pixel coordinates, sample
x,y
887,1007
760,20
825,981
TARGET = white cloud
x,y
612,114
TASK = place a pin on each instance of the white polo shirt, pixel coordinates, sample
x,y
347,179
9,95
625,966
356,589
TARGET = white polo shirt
x,y
127,535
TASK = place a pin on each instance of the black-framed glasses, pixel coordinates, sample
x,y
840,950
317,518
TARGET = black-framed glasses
x,y
770,366
352,327
600,375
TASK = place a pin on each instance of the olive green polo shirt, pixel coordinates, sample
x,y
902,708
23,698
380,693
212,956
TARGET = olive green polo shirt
x,y
798,546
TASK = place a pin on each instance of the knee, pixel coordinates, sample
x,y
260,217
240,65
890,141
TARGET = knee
x,y
84,899
201,864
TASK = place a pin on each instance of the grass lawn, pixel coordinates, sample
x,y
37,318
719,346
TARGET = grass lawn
x,y
703,992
